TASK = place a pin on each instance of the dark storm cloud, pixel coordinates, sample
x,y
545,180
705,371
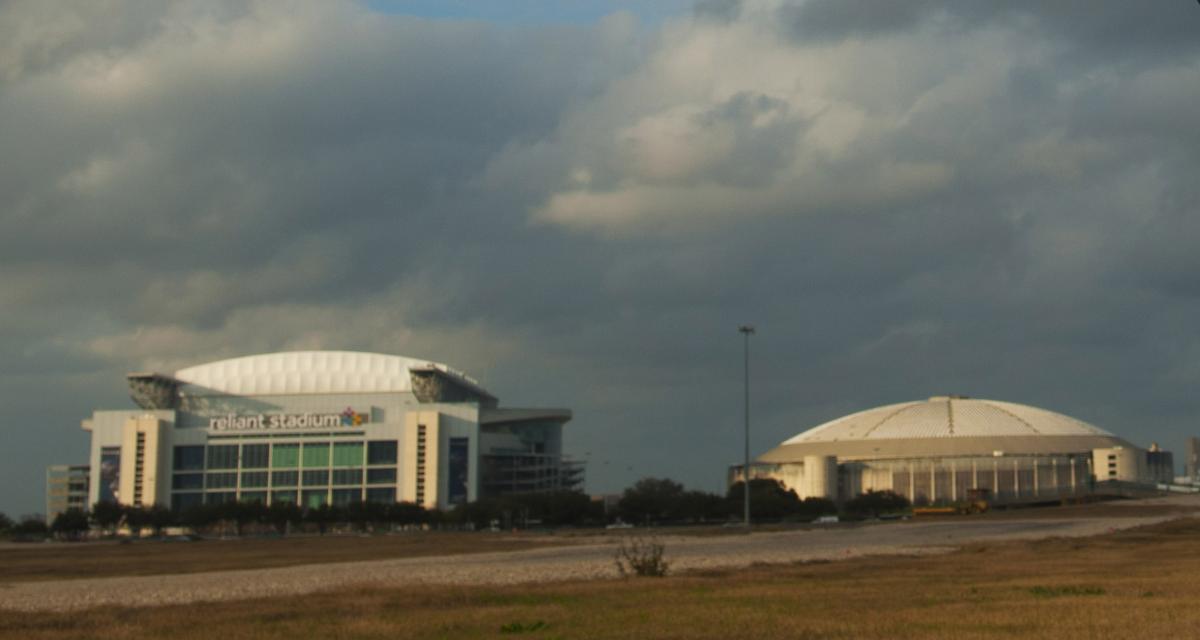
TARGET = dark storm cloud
x,y
837,19
306,167
908,199
721,10
1101,29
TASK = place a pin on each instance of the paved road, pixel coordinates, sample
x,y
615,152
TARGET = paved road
x,y
586,561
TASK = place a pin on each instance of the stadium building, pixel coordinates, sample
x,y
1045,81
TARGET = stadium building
x,y
938,450
318,427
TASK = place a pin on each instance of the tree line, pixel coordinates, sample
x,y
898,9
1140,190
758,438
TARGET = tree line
x,y
650,501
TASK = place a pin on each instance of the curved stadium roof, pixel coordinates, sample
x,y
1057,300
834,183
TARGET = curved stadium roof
x,y
307,372
945,426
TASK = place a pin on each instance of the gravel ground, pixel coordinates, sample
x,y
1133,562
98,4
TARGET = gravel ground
x,y
585,561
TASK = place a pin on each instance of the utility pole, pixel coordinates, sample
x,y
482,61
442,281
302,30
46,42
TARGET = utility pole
x,y
746,331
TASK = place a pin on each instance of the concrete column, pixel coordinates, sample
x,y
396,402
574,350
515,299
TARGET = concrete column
x,y
996,476
912,483
821,477
1016,478
954,481
932,482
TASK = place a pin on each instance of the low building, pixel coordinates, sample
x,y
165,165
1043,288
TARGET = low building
x,y
1160,465
322,427
66,488
1192,464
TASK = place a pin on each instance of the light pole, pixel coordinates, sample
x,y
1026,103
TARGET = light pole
x,y
746,330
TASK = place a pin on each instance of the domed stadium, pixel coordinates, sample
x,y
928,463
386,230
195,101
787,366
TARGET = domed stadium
x,y
947,448
313,428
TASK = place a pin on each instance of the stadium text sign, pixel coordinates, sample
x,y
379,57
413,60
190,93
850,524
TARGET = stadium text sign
x,y
271,421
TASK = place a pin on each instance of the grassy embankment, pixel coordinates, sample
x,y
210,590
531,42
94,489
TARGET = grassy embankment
x,y
1133,584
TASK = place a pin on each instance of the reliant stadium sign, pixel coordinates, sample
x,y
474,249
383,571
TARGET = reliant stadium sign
x,y
272,421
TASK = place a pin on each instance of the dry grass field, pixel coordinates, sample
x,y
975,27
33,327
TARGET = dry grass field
x,y
39,562
1132,584
36,562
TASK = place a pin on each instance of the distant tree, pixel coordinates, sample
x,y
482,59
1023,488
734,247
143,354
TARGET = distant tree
x,y
481,513
873,503
242,514
813,507
107,515
199,516
323,516
366,515
769,500
136,518
31,527
550,508
280,514
70,524
406,513
160,518
702,506
6,524
559,508
651,500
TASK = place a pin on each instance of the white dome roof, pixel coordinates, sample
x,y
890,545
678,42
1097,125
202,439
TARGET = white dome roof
x,y
303,372
945,426
948,417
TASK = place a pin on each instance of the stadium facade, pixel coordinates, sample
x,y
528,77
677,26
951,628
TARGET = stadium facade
x,y
66,488
321,427
941,449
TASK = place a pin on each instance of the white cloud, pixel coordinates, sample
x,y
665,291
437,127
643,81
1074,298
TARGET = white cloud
x,y
727,120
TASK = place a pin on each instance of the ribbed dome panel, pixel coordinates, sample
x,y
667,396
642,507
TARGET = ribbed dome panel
x,y
303,372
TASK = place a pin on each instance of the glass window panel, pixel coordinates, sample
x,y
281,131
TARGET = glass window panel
x,y
221,480
381,495
285,478
343,497
316,455
456,490
314,498
347,476
921,484
189,458
285,456
1063,475
255,456
381,476
278,497
348,454
963,483
220,497
223,456
1005,483
184,501
314,478
1025,480
254,496
254,479
188,481
381,452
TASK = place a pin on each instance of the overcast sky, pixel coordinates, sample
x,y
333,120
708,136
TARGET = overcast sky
x,y
578,203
